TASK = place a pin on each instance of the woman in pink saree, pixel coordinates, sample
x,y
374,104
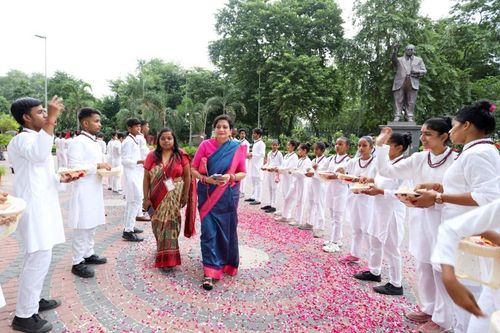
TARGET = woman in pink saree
x,y
219,165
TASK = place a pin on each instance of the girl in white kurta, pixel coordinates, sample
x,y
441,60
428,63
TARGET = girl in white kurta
x,y
360,206
294,200
386,230
336,194
473,179
40,226
317,189
86,209
60,151
426,166
289,163
271,177
483,220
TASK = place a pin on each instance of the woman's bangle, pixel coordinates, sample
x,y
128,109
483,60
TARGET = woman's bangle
x,y
203,180
232,178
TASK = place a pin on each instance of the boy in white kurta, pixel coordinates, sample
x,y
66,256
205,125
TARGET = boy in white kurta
x,y
3,199
86,209
256,161
142,215
134,172
271,177
41,226
115,159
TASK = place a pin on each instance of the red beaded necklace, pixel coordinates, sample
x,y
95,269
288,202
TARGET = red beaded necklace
x,y
342,159
476,143
366,165
399,159
439,163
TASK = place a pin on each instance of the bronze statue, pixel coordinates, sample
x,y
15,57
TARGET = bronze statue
x,y
409,70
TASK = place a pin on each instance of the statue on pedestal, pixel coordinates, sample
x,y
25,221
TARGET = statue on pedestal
x,y
409,70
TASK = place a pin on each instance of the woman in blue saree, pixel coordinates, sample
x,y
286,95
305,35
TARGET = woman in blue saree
x,y
219,165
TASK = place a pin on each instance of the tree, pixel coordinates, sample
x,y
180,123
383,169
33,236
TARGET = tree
x,y
260,39
8,123
4,105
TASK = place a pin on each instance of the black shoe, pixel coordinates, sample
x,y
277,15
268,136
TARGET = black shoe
x,y
265,207
255,203
208,283
33,324
82,270
131,237
367,276
389,289
45,305
270,210
137,230
95,260
249,200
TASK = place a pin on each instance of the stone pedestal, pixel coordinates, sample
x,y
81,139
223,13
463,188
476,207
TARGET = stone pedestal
x,y
407,127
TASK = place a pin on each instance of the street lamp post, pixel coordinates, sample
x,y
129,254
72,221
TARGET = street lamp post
x,y
45,42
258,103
190,129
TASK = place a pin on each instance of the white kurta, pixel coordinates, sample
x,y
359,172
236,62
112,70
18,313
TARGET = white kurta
x,y
86,209
289,162
131,153
336,197
423,222
257,160
41,225
294,198
274,159
476,171
243,182
317,190
361,205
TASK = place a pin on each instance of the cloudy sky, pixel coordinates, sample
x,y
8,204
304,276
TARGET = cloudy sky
x,y
102,40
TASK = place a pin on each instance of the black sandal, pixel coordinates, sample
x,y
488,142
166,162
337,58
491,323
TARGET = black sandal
x,y
208,283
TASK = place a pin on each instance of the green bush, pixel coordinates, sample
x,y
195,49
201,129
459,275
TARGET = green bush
x,y
5,139
3,170
190,150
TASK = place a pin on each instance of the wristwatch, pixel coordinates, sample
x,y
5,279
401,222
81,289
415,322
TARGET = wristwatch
x,y
438,199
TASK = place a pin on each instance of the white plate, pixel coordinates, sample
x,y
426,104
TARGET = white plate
x,y
111,173
359,188
63,171
347,179
479,262
12,213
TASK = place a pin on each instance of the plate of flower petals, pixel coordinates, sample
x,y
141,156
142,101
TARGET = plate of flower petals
x,y
348,179
359,188
10,213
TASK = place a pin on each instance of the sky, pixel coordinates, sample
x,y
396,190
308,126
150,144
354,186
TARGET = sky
x,y
98,41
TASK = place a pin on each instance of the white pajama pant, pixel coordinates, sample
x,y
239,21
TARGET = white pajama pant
x,y
293,200
83,244
116,183
35,268
358,241
433,296
391,250
256,188
336,201
489,302
272,187
134,202
317,204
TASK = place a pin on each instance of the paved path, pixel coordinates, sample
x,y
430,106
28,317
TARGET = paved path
x,y
285,283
